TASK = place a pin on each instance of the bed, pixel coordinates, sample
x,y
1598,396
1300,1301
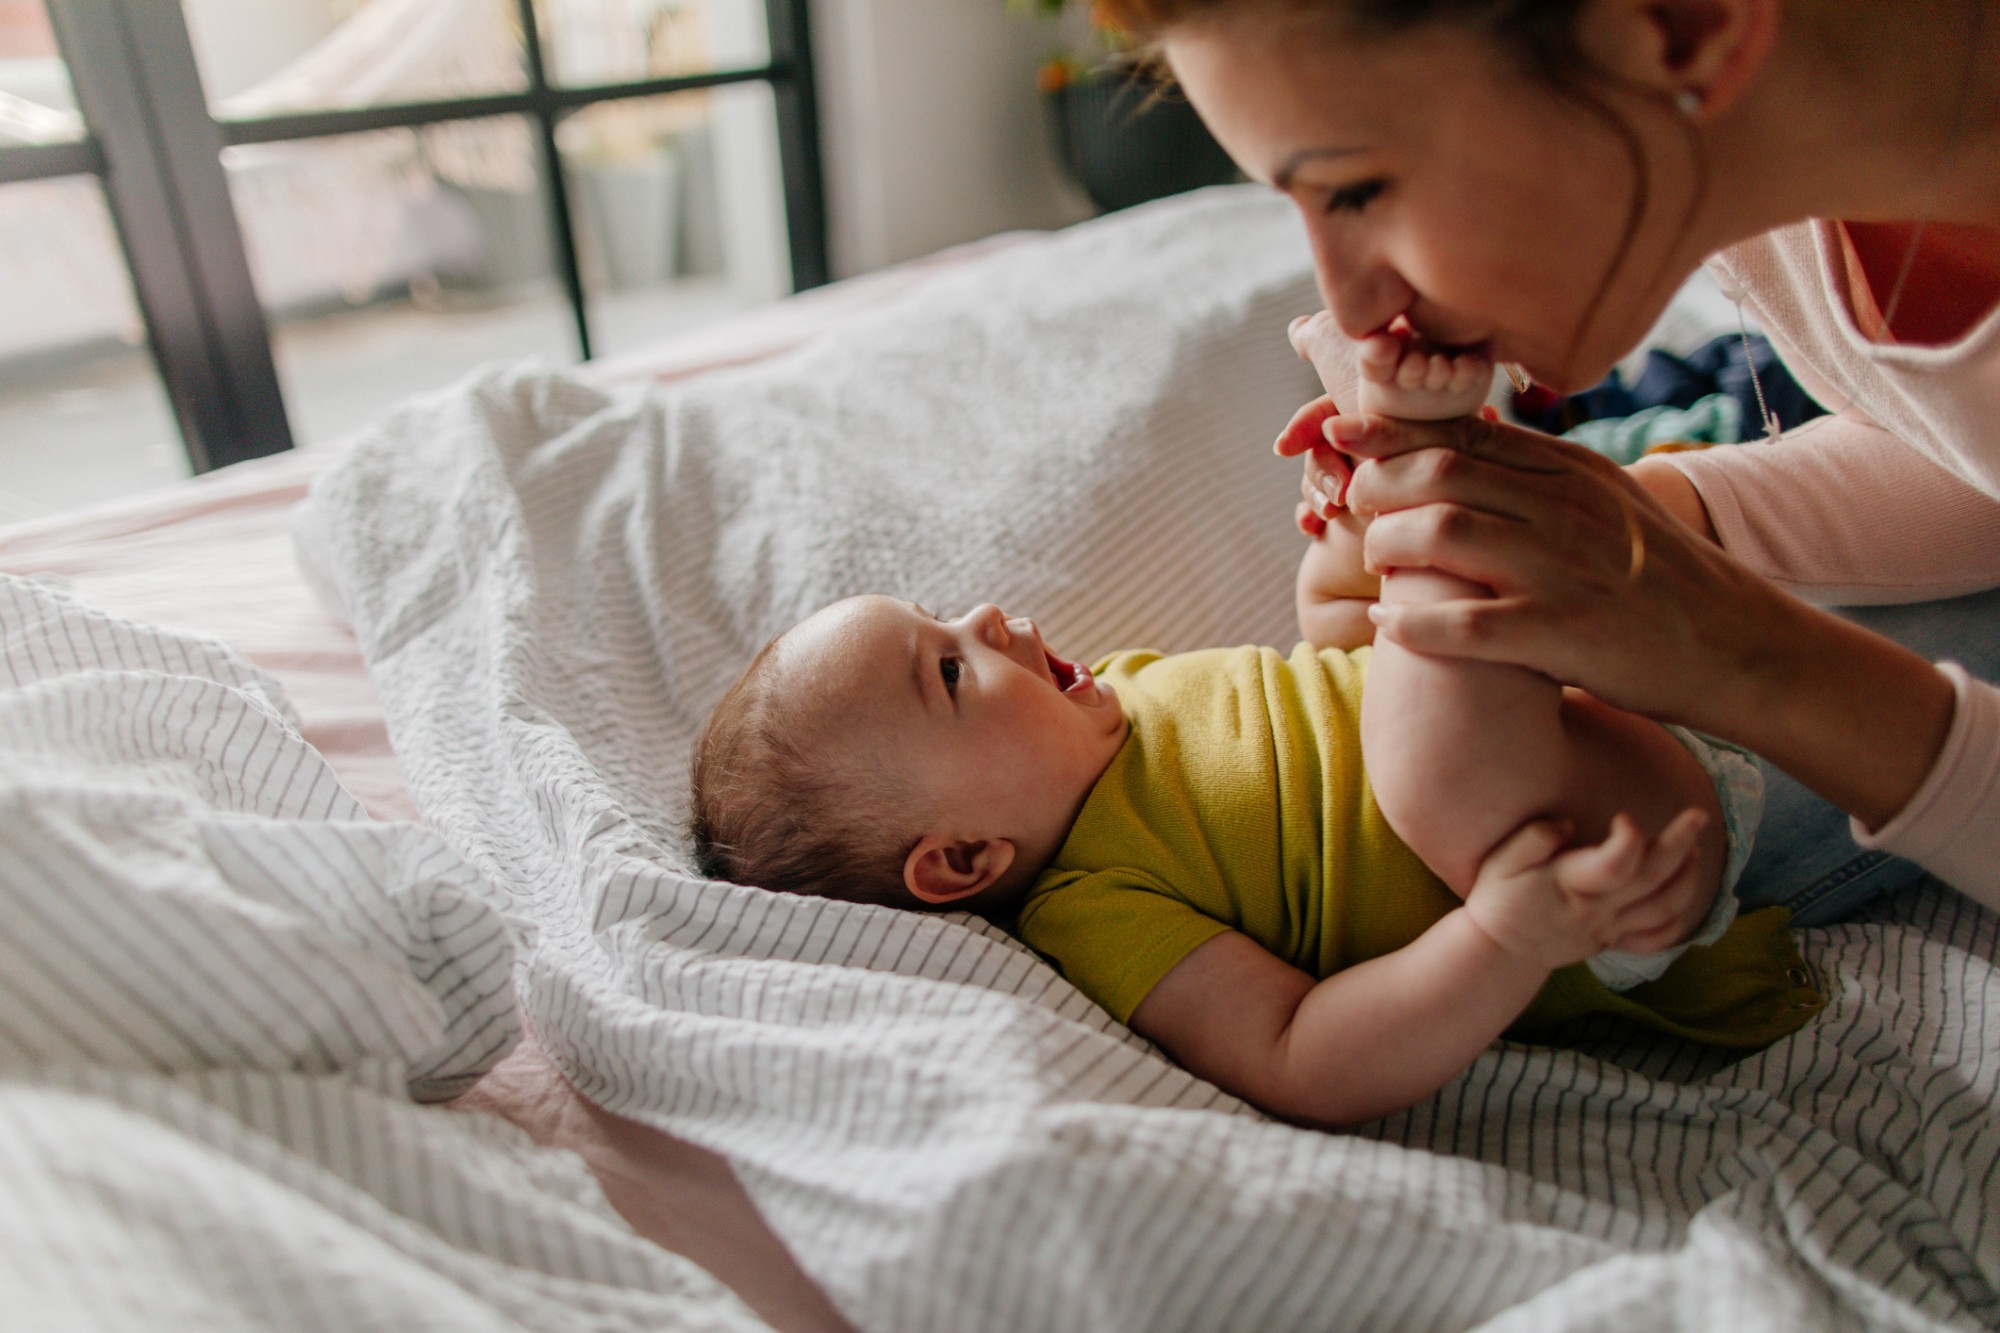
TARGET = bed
x,y
356,974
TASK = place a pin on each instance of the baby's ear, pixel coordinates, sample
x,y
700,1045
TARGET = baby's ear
x,y
944,871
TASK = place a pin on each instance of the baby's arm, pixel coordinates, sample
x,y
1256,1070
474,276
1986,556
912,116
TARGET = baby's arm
x,y
1387,1033
1334,591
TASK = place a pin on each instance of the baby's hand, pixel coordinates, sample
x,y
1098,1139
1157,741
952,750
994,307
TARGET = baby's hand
x,y
1403,376
1551,907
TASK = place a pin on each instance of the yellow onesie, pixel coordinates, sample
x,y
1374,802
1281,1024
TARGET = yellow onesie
x,y
1239,802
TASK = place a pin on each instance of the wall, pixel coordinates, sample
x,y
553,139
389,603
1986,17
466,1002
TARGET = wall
x,y
932,127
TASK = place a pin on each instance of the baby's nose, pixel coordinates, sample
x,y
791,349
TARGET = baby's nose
x,y
992,625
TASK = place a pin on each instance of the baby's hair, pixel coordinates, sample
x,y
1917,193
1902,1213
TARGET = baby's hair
x,y
776,805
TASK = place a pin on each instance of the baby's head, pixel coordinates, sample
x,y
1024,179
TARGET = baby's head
x,y
876,753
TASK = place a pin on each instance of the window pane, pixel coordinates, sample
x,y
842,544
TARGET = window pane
x,y
36,104
274,57
680,211
82,414
393,262
590,42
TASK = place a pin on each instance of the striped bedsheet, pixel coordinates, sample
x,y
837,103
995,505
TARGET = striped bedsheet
x,y
226,998
553,584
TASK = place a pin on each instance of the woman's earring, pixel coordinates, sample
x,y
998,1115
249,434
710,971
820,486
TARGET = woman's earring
x,y
1689,102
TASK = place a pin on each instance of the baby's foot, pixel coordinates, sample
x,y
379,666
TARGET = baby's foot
x,y
1403,376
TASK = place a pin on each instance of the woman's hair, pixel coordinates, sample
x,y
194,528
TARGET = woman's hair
x,y
1539,36
777,805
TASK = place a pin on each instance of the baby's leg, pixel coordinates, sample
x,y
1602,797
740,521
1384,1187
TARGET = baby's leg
x,y
1460,753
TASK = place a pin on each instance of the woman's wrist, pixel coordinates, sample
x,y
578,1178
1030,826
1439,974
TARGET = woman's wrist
x,y
1856,717
1675,493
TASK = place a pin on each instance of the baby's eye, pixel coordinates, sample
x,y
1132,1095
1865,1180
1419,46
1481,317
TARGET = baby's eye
x,y
1354,198
948,670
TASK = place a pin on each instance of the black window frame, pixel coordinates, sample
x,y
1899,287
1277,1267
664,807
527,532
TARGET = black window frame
x,y
153,143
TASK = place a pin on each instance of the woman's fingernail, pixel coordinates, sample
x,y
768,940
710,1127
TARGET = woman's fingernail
x,y
1326,429
1378,613
1347,430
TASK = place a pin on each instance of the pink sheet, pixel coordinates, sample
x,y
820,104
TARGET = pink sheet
x,y
213,556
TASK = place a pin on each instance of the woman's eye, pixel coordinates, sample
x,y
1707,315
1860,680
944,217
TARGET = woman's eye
x,y
1354,198
948,670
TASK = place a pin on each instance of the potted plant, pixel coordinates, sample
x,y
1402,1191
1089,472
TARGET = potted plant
x,y
1122,134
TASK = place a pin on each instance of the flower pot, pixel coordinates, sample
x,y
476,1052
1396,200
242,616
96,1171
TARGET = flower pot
x,y
1125,143
634,205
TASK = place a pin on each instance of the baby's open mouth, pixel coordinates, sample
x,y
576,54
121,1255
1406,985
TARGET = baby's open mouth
x,y
1068,675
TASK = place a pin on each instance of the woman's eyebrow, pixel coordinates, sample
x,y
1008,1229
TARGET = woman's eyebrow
x,y
1282,177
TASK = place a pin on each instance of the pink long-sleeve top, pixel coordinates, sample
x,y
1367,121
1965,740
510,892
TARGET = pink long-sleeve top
x,y
1894,498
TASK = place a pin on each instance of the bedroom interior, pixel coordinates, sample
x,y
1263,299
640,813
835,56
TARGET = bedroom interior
x,y
357,974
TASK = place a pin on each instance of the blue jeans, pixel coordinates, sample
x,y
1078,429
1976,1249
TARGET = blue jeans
x,y
1805,857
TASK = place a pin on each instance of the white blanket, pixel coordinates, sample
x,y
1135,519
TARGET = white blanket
x,y
223,993
552,586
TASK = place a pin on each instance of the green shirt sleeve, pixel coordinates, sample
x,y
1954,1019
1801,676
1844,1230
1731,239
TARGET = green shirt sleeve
x,y
1113,933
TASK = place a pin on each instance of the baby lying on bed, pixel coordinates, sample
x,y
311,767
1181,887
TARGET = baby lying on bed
x,y
1194,841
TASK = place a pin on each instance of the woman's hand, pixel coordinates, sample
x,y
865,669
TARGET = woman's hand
x,y
1323,489
1596,583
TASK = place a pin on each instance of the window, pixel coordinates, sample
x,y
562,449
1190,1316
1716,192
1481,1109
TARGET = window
x,y
306,208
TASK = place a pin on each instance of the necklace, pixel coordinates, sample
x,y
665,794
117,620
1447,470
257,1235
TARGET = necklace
x,y
1773,430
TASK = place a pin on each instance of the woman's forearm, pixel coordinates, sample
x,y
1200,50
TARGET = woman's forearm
x,y
1852,715
1855,717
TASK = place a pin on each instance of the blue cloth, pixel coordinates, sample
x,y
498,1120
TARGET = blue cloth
x,y
1805,857
1716,419
1720,365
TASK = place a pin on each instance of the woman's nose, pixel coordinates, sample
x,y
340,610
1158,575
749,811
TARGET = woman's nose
x,y
1361,291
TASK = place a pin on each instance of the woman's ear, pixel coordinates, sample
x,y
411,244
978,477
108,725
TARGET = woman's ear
x,y
943,871
1701,53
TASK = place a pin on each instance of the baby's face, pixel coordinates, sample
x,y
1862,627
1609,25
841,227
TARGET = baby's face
x,y
1002,737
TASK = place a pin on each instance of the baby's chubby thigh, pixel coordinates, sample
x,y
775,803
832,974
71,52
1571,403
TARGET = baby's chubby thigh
x,y
1461,753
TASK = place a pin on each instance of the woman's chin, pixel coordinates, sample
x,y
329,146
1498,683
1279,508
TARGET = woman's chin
x,y
1567,379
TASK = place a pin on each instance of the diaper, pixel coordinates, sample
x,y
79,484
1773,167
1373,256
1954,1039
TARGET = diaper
x,y
1739,786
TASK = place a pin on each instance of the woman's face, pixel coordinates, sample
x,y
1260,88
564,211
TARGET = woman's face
x,y
1438,182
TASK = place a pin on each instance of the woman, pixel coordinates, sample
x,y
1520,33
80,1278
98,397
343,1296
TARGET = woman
x,y
1540,176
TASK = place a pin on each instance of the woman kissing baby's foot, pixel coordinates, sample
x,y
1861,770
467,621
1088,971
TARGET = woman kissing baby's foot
x,y
1403,376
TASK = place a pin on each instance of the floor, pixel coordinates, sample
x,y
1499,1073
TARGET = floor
x,y
97,427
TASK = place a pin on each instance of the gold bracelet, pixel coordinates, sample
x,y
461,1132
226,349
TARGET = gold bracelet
x,y
1635,536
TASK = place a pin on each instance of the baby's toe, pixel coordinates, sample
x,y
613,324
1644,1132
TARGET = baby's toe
x,y
1413,371
1378,357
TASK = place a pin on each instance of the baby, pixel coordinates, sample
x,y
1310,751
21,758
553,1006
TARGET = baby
x,y
1194,840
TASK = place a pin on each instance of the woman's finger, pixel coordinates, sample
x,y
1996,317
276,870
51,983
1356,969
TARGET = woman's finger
x,y
1310,523
1325,480
1366,435
1306,430
1475,544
